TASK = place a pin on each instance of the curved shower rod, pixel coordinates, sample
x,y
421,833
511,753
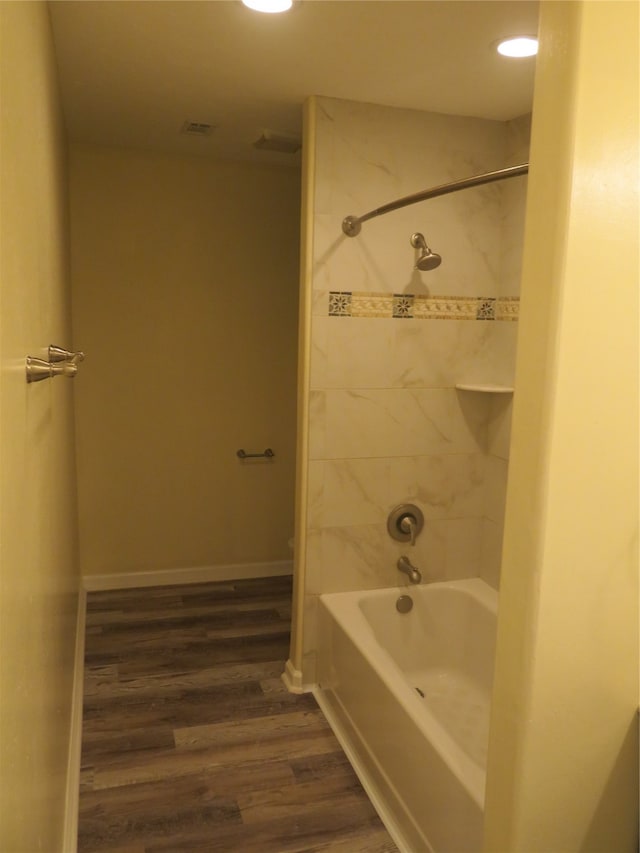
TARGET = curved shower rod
x,y
351,225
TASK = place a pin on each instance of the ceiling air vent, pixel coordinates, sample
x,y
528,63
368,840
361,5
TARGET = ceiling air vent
x,y
281,142
197,128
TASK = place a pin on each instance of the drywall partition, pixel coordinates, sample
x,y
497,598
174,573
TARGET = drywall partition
x,y
185,292
38,543
563,756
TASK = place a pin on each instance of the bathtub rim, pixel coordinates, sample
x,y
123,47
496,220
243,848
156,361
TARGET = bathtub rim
x,y
476,587
343,606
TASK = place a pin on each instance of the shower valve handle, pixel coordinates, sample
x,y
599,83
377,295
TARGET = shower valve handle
x,y
405,523
408,525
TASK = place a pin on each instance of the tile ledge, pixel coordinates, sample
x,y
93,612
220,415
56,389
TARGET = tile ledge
x,y
484,388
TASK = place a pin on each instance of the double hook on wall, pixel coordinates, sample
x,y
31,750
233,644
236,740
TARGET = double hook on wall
x,y
62,362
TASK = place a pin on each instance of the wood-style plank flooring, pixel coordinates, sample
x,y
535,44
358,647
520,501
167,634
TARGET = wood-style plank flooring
x,y
191,742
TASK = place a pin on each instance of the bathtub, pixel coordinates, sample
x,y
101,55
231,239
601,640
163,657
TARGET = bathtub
x,y
408,695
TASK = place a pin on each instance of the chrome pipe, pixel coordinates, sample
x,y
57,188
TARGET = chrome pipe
x,y
351,225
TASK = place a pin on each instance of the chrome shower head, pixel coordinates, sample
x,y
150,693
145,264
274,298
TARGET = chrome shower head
x,y
428,260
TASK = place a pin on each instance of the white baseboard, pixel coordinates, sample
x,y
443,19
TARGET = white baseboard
x,y
199,574
292,678
70,839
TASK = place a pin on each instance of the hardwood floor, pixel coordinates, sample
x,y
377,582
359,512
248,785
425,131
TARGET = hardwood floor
x,y
191,742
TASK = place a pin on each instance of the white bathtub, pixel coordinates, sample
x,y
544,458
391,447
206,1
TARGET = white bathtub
x,y
408,696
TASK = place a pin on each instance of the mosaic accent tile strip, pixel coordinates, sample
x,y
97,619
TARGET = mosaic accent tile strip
x,y
486,309
414,306
340,304
402,305
508,308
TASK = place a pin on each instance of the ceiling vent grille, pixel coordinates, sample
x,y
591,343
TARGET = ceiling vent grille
x,y
197,128
281,142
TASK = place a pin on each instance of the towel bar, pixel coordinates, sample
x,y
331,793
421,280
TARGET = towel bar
x,y
268,453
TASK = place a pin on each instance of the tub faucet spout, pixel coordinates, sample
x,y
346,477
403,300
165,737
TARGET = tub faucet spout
x,y
404,565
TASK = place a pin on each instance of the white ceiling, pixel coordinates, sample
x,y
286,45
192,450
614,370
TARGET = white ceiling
x,y
132,72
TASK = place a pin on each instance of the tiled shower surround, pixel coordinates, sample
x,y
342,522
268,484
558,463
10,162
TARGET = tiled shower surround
x,y
389,344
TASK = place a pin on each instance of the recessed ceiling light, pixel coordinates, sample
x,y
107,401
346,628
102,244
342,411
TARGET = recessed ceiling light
x,y
268,5
519,46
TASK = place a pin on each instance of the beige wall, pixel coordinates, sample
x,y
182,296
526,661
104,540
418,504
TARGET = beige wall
x,y
385,423
185,299
38,563
563,757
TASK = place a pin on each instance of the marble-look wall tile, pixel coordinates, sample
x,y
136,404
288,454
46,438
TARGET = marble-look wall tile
x,y
358,162
444,486
496,470
386,424
369,150
309,639
345,263
439,353
518,138
365,557
512,228
317,424
313,560
353,353
357,423
491,552
503,353
318,358
346,492
358,557
464,544
472,419
310,622
504,350
349,352
368,155
320,302
499,426
514,197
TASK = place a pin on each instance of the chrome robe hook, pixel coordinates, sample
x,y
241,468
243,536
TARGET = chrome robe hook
x,y
62,362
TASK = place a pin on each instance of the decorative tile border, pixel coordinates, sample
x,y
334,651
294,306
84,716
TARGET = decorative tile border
x,y
402,305
340,304
413,306
508,308
486,309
